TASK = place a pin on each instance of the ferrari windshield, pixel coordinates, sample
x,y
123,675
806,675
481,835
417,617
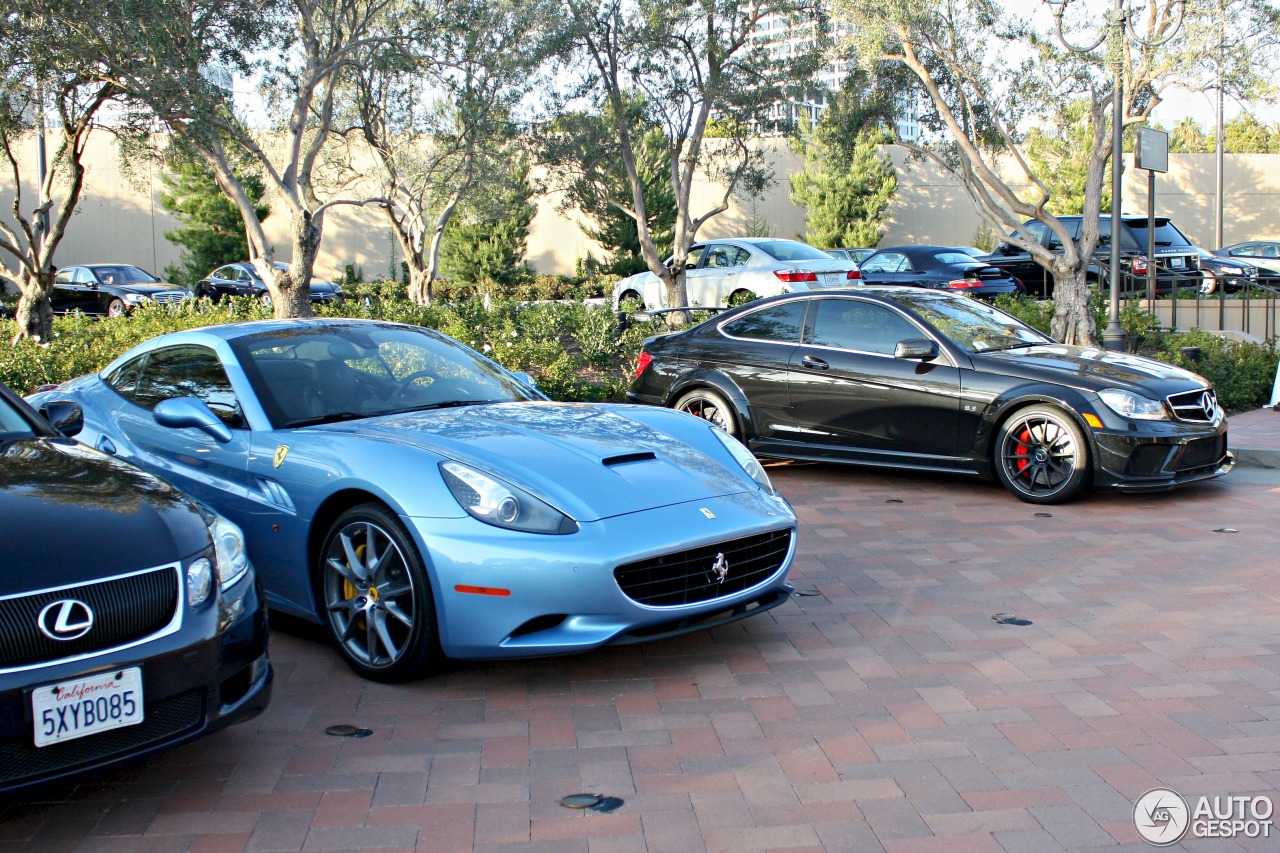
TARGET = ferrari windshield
x,y
974,326
344,371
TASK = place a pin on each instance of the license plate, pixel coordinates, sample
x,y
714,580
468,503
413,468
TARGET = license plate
x,y
1178,263
834,278
86,706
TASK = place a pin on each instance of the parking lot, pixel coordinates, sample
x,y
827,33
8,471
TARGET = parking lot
x,y
883,708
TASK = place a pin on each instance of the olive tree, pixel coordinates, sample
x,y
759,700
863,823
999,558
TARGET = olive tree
x,y
47,104
175,60
963,54
435,117
686,64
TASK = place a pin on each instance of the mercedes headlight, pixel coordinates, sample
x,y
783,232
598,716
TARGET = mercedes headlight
x,y
1130,405
744,457
134,298
229,549
501,504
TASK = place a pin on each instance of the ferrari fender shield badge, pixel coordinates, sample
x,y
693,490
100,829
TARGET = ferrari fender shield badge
x,y
281,452
708,513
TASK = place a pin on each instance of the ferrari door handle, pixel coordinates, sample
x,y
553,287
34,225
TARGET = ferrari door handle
x,y
814,363
106,445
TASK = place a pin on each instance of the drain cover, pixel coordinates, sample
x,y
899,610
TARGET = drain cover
x,y
348,731
579,801
1044,515
893,501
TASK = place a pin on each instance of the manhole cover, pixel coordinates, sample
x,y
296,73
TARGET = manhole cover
x,y
346,730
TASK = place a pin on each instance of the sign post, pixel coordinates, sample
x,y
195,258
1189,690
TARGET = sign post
x,y
1152,153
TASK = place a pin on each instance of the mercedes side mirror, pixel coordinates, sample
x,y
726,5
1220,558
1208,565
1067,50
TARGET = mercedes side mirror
x,y
921,349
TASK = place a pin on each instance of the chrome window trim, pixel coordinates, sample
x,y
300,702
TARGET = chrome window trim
x,y
174,624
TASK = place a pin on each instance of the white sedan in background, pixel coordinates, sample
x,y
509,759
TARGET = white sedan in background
x,y
732,269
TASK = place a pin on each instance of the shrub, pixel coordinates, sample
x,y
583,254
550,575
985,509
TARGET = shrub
x,y
1242,372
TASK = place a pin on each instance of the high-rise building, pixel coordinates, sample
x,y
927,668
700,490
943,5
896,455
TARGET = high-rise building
x,y
784,38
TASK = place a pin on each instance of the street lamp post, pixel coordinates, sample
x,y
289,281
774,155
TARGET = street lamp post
x,y
1115,32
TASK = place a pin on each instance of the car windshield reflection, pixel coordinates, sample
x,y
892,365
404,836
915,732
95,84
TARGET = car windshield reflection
x,y
350,372
972,325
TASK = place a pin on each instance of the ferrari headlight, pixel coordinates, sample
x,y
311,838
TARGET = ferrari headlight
x,y
229,548
743,457
1130,405
501,504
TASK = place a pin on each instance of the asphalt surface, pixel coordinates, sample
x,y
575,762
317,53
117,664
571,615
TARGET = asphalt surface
x,y
883,708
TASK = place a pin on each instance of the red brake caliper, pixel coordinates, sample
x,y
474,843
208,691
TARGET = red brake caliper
x,y
1024,450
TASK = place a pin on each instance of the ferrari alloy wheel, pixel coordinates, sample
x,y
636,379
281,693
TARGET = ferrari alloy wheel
x,y
1042,456
115,308
377,599
710,406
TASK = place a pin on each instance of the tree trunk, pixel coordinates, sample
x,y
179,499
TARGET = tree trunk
x,y
291,293
1072,318
419,282
35,314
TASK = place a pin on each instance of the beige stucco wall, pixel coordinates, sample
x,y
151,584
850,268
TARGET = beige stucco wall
x,y
121,219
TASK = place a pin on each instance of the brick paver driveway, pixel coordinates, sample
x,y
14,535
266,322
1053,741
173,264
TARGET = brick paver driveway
x,y
882,708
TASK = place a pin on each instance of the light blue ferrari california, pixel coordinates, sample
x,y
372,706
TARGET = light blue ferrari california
x,y
424,503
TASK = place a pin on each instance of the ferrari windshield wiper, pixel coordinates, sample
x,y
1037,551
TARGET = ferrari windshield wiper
x,y
330,418
450,404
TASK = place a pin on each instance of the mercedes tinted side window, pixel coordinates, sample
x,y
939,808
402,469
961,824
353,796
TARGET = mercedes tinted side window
x,y
855,325
780,323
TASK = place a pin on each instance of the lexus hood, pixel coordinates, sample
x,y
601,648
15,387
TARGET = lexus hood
x,y
72,514
590,461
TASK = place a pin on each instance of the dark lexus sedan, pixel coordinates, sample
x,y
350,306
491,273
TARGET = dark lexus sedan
x,y
243,280
947,267
130,618
927,380
110,289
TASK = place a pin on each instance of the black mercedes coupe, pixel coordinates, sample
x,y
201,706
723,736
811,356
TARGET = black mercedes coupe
x,y
922,379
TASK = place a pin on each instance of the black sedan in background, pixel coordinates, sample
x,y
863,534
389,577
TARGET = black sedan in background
x,y
243,280
110,289
948,267
130,619
927,380
1227,275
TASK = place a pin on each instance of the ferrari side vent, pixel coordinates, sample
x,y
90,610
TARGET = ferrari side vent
x,y
627,458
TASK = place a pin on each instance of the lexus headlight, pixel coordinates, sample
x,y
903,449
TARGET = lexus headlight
x,y
749,463
229,548
1130,405
501,504
199,581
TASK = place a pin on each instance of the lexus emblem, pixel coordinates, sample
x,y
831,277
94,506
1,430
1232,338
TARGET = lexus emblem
x,y
720,568
1209,405
66,619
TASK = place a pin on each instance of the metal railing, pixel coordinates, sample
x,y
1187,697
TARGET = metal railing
x,y
1222,303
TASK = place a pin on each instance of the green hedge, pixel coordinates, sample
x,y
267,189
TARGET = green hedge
x,y
575,352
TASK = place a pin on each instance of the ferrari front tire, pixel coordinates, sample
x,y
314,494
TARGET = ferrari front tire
x,y
376,598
